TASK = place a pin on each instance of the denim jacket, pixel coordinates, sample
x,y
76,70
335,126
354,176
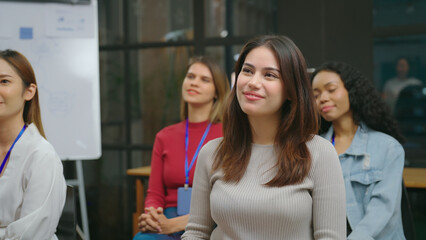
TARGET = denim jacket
x,y
372,169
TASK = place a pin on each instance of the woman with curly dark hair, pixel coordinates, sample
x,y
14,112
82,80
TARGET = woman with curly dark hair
x,y
359,125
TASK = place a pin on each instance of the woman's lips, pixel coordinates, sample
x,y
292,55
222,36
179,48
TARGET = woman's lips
x,y
326,109
192,92
252,96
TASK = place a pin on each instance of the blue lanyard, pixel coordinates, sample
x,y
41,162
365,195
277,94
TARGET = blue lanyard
x,y
332,140
187,169
10,149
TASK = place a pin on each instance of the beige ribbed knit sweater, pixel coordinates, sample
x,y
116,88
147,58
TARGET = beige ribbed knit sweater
x,y
313,209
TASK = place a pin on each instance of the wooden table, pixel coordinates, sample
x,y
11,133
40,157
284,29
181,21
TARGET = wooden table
x,y
139,173
415,177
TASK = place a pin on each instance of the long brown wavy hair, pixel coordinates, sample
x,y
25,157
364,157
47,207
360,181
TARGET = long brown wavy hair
x,y
23,68
299,119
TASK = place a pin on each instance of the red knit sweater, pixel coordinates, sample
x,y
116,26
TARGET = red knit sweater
x,y
168,161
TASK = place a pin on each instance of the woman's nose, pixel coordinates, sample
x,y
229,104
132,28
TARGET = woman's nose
x,y
323,97
194,82
254,82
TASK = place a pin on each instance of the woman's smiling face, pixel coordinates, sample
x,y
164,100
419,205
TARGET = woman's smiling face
x,y
331,96
13,94
198,86
260,88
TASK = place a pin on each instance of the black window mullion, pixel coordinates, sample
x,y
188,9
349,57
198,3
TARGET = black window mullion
x,y
199,35
145,45
229,13
127,118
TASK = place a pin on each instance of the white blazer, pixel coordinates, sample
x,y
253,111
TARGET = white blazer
x,y
32,190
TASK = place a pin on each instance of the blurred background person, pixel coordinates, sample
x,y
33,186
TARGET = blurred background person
x,y
358,123
394,85
176,148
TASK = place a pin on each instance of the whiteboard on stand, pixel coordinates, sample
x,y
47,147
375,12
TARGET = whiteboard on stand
x,y
61,43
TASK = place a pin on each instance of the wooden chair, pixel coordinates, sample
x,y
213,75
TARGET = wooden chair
x,y
139,173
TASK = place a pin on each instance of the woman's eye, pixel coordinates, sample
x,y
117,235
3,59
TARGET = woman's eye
x,y
246,70
271,75
190,76
4,81
206,80
331,90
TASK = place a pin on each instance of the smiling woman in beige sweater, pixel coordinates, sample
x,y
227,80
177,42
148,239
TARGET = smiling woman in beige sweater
x,y
270,176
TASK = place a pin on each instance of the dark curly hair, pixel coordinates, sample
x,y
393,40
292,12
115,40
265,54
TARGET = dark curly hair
x,y
364,100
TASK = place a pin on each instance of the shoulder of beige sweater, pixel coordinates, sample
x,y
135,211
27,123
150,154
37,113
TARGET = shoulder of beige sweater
x,y
208,151
320,148
212,145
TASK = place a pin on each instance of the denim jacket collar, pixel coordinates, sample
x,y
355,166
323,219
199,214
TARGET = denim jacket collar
x,y
358,146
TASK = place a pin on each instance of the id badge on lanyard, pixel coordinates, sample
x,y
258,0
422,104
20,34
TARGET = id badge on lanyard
x,y
184,200
184,193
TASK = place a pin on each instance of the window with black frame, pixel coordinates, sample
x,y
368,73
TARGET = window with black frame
x,y
144,51
400,69
400,74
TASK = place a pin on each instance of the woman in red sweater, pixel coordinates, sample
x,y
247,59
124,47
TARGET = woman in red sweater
x,y
176,147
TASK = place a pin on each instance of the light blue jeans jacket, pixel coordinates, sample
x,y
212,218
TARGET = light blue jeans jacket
x,y
372,169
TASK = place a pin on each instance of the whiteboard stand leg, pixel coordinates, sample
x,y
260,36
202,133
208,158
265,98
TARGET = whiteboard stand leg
x,y
82,196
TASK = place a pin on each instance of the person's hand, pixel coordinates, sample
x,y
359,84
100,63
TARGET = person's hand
x,y
148,221
154,221
167,226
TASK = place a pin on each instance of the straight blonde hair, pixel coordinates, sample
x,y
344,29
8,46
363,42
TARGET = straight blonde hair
x,y
221,85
